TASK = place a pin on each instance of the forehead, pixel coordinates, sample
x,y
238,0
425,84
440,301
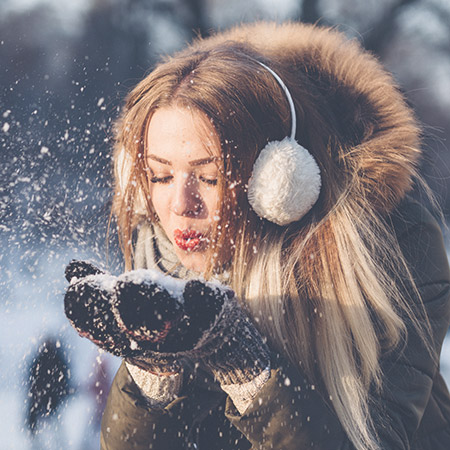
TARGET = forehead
x,y
177,133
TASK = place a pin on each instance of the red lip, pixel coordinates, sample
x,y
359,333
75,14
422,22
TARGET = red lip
x,y
188,239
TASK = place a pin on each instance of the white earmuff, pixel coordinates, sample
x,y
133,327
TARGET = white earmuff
x,y
285,183
123,176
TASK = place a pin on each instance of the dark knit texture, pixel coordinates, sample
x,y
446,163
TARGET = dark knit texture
x,y
231,346
80,269
146,311
153,329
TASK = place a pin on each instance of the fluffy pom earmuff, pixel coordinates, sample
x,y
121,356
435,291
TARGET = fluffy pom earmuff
x,y
285,183
123,173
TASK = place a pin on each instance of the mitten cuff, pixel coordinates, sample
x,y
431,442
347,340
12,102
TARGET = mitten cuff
x,y
158,390
242,395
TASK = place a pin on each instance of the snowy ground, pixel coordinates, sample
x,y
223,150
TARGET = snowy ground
x,y
34,311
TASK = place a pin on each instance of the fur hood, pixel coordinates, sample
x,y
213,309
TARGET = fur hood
x,y
380,138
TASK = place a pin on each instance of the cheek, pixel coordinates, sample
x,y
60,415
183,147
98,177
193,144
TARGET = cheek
x,y
159,201
211,200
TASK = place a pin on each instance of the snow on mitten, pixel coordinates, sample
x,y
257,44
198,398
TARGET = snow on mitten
x,y
147,306
91,305
158,323
213,329
208,324
150,309
88,306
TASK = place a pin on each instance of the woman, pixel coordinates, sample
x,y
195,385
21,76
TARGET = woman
x,y
327,298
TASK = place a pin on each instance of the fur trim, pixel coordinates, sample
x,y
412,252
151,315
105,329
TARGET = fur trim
x,y
380,143
285,182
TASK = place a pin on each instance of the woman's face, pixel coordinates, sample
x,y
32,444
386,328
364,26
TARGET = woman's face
x,y
182,153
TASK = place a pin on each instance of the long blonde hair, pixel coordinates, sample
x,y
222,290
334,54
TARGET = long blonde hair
x,y
324,290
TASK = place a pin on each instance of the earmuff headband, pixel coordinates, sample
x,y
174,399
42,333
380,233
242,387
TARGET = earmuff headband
x,y
285,183
288,96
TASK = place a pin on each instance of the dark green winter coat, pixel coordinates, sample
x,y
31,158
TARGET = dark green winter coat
x,y
290,413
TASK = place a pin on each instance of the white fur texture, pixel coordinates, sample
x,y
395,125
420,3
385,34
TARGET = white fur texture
x,y
285,182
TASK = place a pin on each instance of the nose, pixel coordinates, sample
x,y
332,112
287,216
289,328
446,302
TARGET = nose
x,y
186,200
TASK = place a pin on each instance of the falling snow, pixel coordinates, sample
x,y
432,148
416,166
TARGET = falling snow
x,y
55,179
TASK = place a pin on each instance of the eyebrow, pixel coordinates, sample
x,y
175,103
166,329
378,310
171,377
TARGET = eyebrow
x,y
194,163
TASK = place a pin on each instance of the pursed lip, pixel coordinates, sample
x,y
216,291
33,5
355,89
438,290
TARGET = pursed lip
x,y
189,240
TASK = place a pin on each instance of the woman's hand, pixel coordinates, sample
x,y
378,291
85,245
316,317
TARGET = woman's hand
x,y
142,315
156,321
88,306
165,314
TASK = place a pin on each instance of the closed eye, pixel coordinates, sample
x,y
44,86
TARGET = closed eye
x,y
210,181
162,180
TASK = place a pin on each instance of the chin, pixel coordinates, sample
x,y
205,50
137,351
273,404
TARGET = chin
x,y
195,262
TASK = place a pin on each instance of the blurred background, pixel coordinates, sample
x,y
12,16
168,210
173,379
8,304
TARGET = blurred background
x,y
65,68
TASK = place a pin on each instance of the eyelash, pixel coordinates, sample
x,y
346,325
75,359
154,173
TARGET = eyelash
x,y
162,180
210,181
166,180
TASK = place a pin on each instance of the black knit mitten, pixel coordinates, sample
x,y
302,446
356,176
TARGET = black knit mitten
x,y
157,322
92,307
213,329
231,347
88,306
